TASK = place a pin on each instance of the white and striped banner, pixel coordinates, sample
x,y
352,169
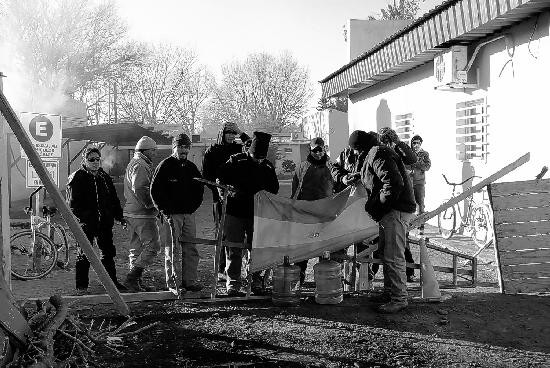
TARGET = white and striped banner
x,y
304,229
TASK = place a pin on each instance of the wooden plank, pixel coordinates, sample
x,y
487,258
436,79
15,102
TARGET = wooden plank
x,y
528,271
523,242
541,255
520,201
418,266
520,187
522,229
61,205
521,215
526,286
497,175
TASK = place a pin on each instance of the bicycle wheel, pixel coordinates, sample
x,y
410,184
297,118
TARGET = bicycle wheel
x,y
482,233
31,259
62,245
446,222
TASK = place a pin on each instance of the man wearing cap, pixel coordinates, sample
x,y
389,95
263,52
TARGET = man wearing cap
x,y
140,212
249,173
418,174
92,197
311,181
177,196
214,157
390,202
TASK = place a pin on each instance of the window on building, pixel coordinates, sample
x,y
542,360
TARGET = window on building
x,y
404,127
471,130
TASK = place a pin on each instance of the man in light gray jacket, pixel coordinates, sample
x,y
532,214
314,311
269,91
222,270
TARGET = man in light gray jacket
x,y
140,212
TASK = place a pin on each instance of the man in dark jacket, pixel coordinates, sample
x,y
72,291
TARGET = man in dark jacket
x,y
92,197
248,173
177,196
389,137
311,181
418,173
214,157
390,202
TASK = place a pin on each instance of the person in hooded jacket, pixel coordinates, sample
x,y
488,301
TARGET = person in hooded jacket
x,y
390,202
389,137
140,213
215,156
177,196
311,181
248,173
92,197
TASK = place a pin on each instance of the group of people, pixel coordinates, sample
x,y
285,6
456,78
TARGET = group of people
x,y
161,202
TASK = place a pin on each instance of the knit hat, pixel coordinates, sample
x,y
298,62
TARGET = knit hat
x,y
317,142
145,143
388,135
181,139
362,141
260,144
230,127
417,138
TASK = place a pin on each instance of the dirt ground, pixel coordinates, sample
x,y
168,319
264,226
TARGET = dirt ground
x,y
475,327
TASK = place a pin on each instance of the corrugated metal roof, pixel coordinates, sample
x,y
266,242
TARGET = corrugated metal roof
x,y
453,22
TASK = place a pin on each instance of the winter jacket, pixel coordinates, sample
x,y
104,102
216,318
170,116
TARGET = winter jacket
x,y
218,154
312,179
346,163
248,177
173,189
419,168
407,154
137,188
93,198
385,179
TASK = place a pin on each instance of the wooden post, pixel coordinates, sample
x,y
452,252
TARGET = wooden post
x,y
499,174
65,211
4,197
455,266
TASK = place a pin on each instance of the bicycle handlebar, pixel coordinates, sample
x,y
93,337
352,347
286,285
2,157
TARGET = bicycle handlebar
x,y
456,184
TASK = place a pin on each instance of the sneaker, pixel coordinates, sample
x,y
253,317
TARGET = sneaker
x,y
392,307
380,298
235,292
193,287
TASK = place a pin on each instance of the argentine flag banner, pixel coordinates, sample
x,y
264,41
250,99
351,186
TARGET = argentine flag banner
x,y
305,229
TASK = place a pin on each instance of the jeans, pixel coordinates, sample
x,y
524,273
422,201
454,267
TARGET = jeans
x,y
393,238
181,259
104,236
235,230
144,241
419,194
216,215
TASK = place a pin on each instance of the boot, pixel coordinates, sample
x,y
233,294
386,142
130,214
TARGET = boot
x,y
132,280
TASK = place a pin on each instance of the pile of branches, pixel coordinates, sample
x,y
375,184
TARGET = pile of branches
x,y
59,339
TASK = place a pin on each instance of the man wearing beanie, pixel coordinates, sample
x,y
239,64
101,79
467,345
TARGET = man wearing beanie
x,y
214,157
248,172
140,212
177,196
390,202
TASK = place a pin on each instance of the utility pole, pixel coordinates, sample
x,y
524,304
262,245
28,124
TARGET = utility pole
x,y
4,197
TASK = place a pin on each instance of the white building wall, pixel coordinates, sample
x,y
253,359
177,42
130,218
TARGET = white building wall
x,y
518,108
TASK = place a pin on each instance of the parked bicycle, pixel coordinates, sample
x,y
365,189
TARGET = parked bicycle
x,y
476,218
37,250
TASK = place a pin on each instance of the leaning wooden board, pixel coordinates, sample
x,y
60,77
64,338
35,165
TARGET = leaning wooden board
x,y
522,233
10,318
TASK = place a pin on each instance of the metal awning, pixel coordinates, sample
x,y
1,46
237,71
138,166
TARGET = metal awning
x,y
453,22
125,134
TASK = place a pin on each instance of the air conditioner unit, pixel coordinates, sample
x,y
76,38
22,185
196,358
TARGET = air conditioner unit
x,y
450,67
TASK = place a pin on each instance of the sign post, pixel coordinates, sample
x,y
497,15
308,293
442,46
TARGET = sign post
x,y
5,198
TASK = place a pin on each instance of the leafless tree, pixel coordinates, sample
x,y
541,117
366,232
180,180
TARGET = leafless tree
x,y
168,86
262,92
400,9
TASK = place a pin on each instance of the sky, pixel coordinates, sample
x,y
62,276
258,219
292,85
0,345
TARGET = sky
x,y
224,30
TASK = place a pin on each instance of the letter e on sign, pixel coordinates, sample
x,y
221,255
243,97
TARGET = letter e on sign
x,y
41,128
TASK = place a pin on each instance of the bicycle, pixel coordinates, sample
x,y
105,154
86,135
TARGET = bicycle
x,y
476,218
34,254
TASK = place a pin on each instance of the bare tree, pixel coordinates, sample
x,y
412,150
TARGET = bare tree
x,y
402,9
168,86
264,91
